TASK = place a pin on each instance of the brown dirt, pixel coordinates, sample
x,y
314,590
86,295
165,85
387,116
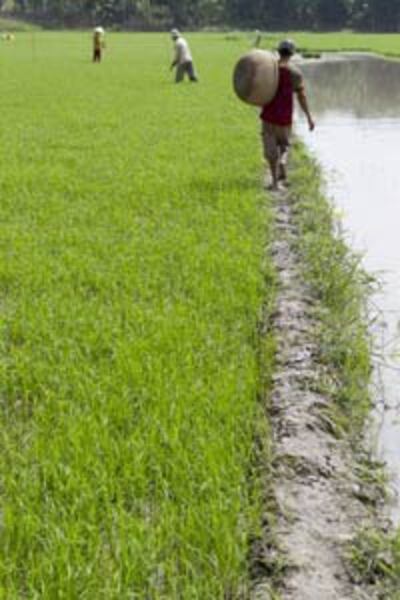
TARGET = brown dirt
x,y
314,480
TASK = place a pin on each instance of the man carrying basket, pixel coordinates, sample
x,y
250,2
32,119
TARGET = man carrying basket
x,y
277,116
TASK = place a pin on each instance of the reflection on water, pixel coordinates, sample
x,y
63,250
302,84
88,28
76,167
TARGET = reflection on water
x,y
357,108
359,87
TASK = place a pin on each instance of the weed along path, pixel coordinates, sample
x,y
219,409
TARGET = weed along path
x,y
318,512
357,102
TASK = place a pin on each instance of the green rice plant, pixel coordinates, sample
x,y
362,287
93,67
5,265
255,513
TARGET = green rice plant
x,y
133,276
341,41
375,560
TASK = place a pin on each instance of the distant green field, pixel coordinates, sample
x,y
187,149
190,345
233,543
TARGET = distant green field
x,y
16,25
387,44
133,272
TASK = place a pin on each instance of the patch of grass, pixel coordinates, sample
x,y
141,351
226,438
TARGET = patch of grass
x,y
375,561
341,41
343,289
313,44
133,276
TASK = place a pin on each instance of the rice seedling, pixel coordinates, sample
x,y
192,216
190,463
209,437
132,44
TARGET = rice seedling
x,y
133,274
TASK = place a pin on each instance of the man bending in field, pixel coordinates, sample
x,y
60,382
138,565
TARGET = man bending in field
x,y
183,58
277,116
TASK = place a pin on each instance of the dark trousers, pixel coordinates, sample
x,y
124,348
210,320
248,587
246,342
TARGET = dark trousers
x,y
186,68
97,55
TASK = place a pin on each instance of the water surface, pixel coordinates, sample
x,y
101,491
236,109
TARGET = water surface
x,y
356,103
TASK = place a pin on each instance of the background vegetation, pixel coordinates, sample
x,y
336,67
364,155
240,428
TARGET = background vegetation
x,y
371,15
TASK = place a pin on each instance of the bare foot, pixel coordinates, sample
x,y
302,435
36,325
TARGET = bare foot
x,y
282,177
274,187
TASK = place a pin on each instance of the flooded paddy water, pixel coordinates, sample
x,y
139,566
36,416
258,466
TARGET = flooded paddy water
x,y
356,103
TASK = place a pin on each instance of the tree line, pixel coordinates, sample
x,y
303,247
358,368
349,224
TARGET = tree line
x,y
363,15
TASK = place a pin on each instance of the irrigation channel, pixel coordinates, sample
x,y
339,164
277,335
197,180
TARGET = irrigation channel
x,y
356,102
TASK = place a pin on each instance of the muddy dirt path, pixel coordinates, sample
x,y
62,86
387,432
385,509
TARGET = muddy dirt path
x,y
314,486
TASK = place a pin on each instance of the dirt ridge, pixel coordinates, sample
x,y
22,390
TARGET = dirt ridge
x,y
314,480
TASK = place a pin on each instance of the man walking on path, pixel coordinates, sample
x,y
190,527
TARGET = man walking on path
x,y
183,58
277,116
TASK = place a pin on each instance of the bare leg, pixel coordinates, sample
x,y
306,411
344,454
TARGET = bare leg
x,y
283,158
282,173
272,154
274,169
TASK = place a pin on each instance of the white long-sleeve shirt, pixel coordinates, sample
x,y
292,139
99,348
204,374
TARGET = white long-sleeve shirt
x,y
182,51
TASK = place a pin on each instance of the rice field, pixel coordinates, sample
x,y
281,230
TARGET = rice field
x,y
347,41
133,275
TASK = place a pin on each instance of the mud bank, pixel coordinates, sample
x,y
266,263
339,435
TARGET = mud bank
x,y
317,407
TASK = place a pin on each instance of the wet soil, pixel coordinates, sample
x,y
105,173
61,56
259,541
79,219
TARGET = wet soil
x,y
314,476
